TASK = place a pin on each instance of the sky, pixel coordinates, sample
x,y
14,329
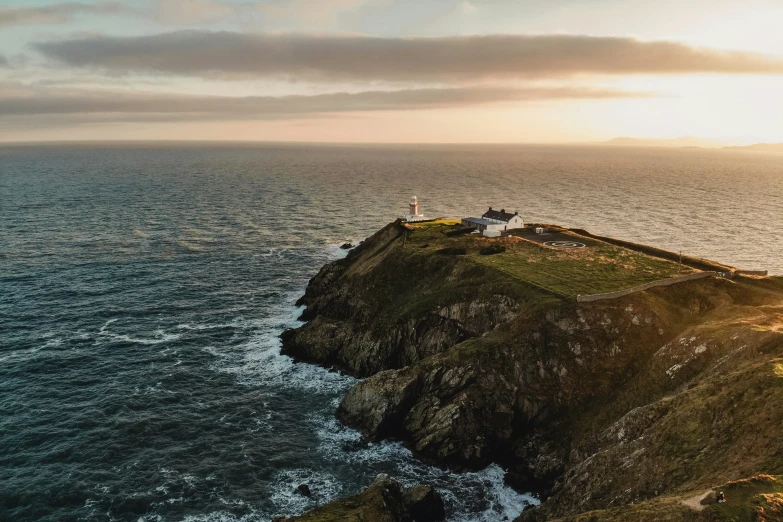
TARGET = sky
x,y
424,71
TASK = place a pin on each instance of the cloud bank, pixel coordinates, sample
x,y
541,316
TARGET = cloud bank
x,y
157,107
365,58
57,13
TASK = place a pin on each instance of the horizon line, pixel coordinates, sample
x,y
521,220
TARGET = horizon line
x,y
308,142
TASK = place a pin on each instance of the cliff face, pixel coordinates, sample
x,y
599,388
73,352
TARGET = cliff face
x,y
382,308
597,404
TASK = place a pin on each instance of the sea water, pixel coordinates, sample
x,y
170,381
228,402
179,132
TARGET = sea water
x,y
143,289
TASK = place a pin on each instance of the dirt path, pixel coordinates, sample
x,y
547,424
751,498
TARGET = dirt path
x,y
695,502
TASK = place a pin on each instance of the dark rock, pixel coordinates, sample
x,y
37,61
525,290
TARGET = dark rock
x,y
304,490
385,500
424,504
347,246
377,409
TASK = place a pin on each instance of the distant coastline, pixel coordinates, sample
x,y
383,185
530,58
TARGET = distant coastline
x,y
619,142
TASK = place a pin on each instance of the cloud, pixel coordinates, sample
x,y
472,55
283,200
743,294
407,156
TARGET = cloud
x,y
57,13
279,13
194,11
4,63
364,58
124,106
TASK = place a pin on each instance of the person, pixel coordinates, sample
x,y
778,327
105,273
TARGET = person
x,y
721,498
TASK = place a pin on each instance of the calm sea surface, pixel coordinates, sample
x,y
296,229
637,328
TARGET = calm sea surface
x,y
142,290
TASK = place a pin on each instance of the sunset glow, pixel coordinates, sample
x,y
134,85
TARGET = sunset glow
x,y
384,71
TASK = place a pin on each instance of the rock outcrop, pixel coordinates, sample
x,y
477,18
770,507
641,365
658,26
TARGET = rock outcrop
x,y
385,500
595,404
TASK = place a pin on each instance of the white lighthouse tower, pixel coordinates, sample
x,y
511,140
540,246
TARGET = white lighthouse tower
x,y
414,206
414,214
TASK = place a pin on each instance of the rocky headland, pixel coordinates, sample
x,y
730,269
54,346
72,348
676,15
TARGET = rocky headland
x,y
475,350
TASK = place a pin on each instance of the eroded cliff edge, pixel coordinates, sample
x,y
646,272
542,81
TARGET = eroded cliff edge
x,y
477,355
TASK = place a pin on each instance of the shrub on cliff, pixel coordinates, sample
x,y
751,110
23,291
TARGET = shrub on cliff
x,y
460,231
492,250
452,251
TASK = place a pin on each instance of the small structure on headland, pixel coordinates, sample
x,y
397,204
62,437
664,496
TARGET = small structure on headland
x,y
414,213
493,223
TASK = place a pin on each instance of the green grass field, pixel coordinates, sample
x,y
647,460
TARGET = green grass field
x,y
599,268
435,222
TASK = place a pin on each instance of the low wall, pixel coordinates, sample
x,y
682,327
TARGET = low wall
x,y
693,262
647,286
751,272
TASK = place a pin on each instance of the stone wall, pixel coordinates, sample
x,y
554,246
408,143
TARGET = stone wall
x,y
751,272
652,284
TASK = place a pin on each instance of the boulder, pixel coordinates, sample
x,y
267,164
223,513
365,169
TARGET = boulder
x,y
385,500
424,504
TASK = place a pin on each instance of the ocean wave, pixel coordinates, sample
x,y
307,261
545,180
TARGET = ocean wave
x,y
324,488
258,361
222,516
158,336
261,363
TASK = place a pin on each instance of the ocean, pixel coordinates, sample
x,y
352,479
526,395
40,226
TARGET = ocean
x,y
143,288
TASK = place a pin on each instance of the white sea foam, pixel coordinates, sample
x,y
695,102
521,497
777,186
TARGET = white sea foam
x,y
335,251
259,361
102,329
324,487
159,339
201,327
222,516
262,363
502,501
158,335
498,500
20,355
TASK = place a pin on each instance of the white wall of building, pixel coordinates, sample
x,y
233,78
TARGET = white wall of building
x,y
494,227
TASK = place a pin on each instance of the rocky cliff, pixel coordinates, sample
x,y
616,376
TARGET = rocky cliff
x,y
385,500
594,405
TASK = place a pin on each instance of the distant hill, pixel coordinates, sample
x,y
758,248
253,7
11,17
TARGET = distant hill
x,y
685,141
760,147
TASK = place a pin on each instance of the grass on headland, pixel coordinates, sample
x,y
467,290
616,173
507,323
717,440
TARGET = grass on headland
x,y
598,268
441,221
756,499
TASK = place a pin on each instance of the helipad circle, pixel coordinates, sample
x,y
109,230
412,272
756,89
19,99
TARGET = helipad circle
x,y
565,244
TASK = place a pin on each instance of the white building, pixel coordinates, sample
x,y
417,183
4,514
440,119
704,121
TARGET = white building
x,y
493,222
414,213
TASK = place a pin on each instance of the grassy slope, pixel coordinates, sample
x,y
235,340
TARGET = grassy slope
x,y
758,499
713,400
413,278
565,272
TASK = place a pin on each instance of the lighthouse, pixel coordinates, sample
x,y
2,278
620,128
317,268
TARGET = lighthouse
x,y
414,206
414,214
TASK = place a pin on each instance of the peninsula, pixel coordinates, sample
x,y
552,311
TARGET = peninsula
x,y
615,380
